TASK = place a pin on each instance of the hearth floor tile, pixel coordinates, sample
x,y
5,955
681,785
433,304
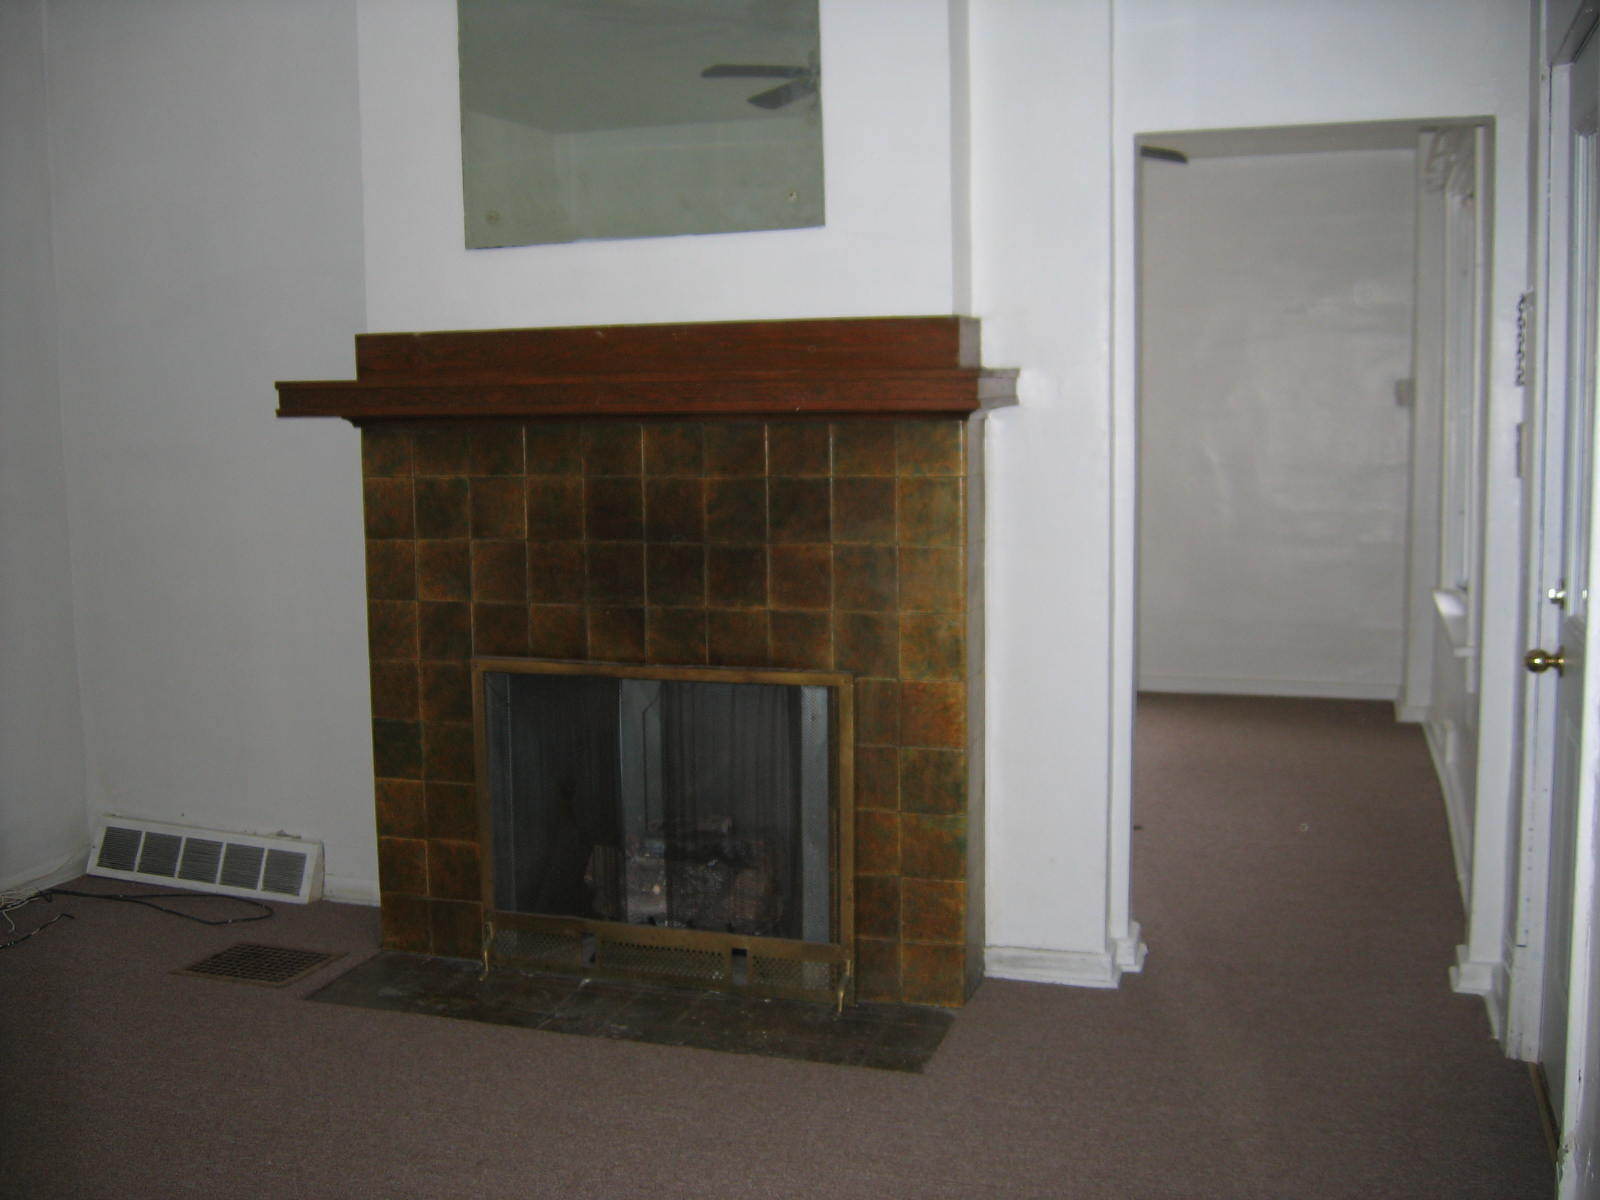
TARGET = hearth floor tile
x,y
886,1037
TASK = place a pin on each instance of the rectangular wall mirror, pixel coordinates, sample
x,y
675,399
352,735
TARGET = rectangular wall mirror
x,y
589,119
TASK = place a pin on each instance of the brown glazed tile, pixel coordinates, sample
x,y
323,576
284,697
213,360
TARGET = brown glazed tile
x,y
392,570
401,813
553,448
391,630
737,638
495,450
864,578
675,635
736,576
616,573
933,781
557,572
385,452
386,508
443,508
866,644
457,928
735,448
878,906
499,507
394,690
446,631
448,752
555,509
736,510
446,692
673,448
932,975
933,847
674,510
931,580
616,634
558,631
403,865
441,452
863,510
406,923
675,575
803,640
452,870
933,715
396,749
932,646
500,572
798,510
802,576
444,571
613,510
877,971
452,810
863,448
930,512
933,910
612,448
877,782
500,629
928,447
877,712
877,842
799,448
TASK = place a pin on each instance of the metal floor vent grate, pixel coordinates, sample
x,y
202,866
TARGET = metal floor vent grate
x,y
251,962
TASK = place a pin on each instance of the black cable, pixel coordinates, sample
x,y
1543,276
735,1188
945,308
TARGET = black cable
x,y
58,917
143,899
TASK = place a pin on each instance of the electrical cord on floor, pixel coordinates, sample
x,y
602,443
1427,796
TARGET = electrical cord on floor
x,y
11,901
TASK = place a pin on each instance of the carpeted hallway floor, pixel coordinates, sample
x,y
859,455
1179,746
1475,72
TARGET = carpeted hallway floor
x,y
1292,1035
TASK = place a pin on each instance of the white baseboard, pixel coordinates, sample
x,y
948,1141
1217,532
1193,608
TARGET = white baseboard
x,y
43,875
1410,714
1315,689
1071,968
1490,980
350,889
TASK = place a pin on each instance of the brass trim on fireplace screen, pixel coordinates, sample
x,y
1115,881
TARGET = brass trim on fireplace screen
x,y
722,961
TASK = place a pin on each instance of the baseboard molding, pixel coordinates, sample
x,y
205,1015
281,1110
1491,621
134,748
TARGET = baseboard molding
x,y
44,875
1315,689
1410,714
1070,968
350,889
1490,980
1455,818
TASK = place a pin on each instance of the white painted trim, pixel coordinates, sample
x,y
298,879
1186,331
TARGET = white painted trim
x,y
1320,689
1490,980
350,889
1455,813
1410,714
40,876
1072,968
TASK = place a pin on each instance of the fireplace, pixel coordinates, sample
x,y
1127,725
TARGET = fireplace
x,y
638,501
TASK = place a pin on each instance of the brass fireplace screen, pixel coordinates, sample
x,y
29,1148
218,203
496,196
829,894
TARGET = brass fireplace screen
x,y
683,825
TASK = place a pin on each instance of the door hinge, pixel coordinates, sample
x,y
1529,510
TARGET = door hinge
x,y
1524,322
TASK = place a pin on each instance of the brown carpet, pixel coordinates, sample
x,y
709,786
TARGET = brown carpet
x,y
1292,1036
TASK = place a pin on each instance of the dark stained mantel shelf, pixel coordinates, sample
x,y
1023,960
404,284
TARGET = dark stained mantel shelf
x,y
889,366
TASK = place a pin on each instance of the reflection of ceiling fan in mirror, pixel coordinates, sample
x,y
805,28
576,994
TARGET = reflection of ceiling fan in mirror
x,y
802,81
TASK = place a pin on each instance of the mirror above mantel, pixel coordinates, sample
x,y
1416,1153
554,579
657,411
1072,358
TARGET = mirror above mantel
x,y
588,119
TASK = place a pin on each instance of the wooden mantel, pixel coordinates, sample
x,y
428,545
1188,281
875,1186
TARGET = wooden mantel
x,y
890,366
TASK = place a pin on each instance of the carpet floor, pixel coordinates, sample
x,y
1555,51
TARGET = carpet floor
x,y
1292,1035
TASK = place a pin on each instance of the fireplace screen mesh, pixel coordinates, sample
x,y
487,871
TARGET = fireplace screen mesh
x,y
671,803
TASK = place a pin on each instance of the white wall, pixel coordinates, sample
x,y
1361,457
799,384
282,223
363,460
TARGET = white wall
x,y
1275,318
1208,64
208,241
42,814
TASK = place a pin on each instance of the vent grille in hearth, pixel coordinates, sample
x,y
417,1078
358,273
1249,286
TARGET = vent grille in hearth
x,y
206,860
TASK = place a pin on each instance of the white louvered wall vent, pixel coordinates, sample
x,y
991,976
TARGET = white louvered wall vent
x,y
206,860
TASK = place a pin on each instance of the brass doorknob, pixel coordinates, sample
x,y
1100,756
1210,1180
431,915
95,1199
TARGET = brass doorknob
x,y
1540,661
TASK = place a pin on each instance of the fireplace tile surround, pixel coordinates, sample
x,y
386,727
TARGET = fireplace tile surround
x,y
832,540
